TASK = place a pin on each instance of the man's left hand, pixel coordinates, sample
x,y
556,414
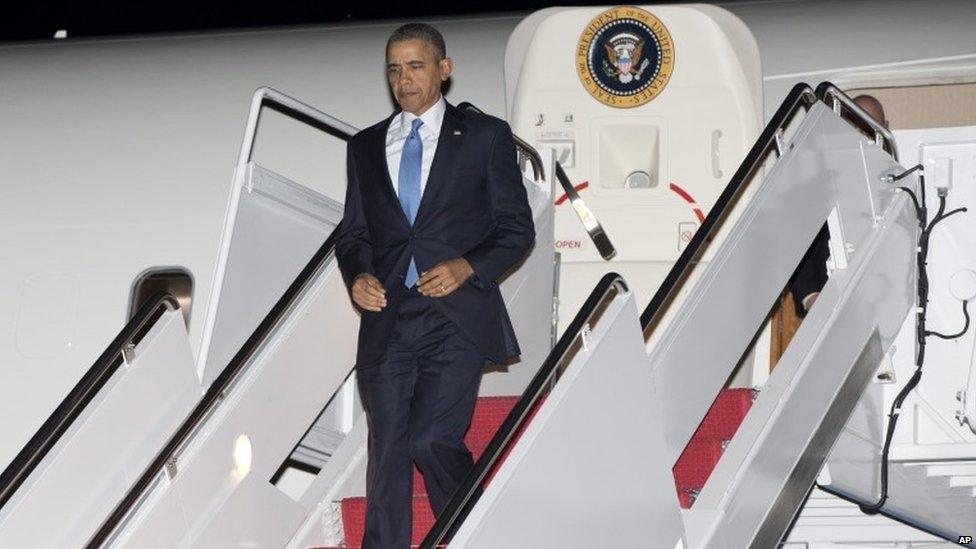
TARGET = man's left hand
x,y
445,277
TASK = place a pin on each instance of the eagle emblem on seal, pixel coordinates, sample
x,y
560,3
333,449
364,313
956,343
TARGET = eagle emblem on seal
x,y
624,57
625,60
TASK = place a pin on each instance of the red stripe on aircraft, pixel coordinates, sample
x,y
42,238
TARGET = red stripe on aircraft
x,y
687,197
578,188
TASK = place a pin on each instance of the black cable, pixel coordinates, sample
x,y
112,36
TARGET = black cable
x,y
921,333
918,209
939,218
906,173
965,326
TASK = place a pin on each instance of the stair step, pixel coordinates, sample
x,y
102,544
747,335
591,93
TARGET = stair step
x,y
701,455
489,414
691,471
726,414
686,498
354,520
950,469
696,463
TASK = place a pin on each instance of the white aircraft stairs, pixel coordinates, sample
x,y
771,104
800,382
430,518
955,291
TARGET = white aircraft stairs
x,y
623,436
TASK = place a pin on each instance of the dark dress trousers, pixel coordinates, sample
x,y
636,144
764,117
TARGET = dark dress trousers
x,y
419,360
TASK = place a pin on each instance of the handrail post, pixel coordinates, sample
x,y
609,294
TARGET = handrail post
x,y
834,96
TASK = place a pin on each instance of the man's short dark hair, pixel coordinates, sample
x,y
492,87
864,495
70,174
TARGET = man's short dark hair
x,y
412,31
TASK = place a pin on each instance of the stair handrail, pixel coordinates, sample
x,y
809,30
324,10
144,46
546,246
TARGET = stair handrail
x,y
81,395
837,100
770,140
591,224
268,96
166,458
289,106
467,493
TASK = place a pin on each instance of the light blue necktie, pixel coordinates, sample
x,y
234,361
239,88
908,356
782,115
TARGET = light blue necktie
x,y
409,184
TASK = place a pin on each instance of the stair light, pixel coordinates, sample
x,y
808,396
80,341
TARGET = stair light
x,y
242,456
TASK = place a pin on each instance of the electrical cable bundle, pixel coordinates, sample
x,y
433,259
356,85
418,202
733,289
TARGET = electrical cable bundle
x,y
921,333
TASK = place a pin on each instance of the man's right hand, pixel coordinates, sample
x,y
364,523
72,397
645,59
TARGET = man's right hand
x,y
808,300
368,292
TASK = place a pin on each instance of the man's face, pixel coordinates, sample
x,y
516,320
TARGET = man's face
x,y
415,75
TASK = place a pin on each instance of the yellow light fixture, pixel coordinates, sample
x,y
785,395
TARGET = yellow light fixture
x,y
242,456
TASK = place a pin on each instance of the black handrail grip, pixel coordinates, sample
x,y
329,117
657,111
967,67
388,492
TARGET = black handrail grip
x,y
766,142
463,497
598,235
213,394
51,431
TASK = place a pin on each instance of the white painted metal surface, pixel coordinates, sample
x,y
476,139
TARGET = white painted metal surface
x,y
117,435
926,486
614,490
274,227
274,401
946,399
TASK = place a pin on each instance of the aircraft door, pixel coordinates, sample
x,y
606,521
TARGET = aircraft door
x,y
649,110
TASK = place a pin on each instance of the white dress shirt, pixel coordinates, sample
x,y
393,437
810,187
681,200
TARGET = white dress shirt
x,y
397,134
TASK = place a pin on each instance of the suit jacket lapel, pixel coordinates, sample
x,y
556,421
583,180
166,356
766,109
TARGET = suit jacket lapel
x,y
379,151
448,143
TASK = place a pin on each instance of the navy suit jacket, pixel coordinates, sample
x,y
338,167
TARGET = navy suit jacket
x,y
473,206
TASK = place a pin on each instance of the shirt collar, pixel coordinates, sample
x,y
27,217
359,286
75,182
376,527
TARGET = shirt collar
x,y
432,117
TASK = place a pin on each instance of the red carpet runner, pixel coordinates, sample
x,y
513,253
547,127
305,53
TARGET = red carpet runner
x,y
690,472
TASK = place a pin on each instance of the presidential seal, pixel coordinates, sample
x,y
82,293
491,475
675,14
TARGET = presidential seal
x,y
625,57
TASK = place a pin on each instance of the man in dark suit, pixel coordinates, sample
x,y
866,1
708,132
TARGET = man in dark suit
x,y
811,274
435,214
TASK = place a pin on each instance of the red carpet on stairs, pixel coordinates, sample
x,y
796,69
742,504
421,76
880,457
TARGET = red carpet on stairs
x,y
703,451
690,472
489,413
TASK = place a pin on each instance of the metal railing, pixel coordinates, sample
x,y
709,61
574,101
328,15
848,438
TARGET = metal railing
x,y
293,108
51,431
838,100
802,96
771,139
167,458
468,492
